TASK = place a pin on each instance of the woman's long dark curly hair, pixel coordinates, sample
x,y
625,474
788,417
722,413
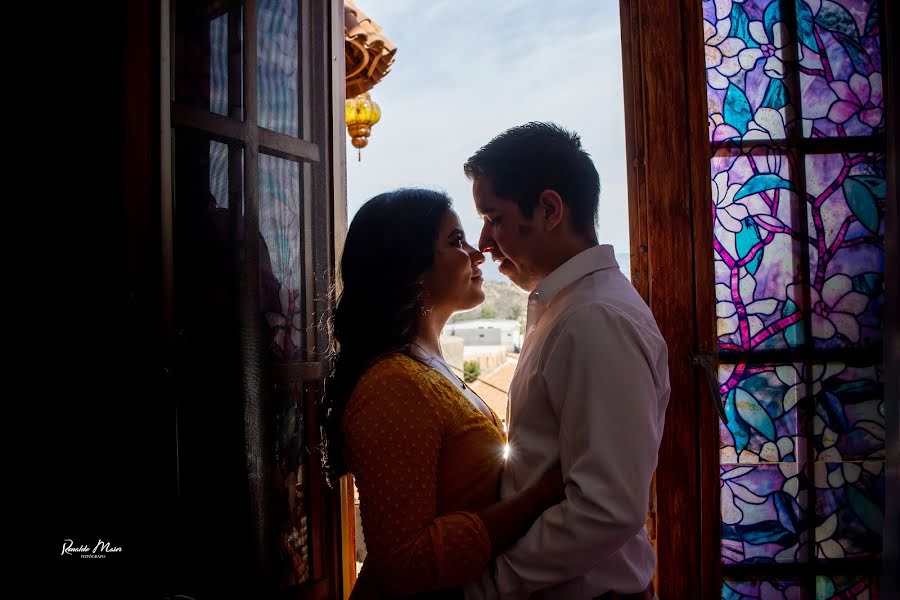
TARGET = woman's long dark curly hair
x,y
389,246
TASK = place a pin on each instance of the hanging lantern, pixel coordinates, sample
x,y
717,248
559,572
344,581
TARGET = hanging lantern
x,y
362,114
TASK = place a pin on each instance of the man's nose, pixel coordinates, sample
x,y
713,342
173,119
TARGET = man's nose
x,y
485,241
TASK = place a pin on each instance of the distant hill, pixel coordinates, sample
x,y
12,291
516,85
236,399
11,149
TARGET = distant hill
x,y
502,300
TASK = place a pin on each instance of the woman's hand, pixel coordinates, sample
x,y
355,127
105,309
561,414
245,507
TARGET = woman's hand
x,y
552,487
510,519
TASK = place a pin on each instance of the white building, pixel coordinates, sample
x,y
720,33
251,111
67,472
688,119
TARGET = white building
x,y
487,332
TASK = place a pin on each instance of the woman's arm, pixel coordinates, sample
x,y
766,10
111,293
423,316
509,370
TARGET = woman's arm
x,y
510,519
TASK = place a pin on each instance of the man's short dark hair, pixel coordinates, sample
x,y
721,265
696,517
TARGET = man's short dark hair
x,y
524,161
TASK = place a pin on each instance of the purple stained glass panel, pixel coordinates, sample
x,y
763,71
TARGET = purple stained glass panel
x,y
840,68
762,589
845,212
756,253
281,256
762,513
849,421
837,587
849,509
761,402
746,46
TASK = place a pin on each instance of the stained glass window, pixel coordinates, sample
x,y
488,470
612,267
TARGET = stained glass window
x,y
796,129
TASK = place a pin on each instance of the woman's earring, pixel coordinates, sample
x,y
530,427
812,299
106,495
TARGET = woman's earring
x,y
423,309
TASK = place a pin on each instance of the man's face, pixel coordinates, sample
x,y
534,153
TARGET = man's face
x,y
512,239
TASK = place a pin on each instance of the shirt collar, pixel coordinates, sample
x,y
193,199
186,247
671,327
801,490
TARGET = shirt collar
x,y
584,263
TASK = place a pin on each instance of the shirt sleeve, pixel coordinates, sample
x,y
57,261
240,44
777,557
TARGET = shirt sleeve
x,y
601,381
393,434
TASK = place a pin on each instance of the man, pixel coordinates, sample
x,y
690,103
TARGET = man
x,y
592,383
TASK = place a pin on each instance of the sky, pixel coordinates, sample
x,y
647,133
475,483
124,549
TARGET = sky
x,y
466,70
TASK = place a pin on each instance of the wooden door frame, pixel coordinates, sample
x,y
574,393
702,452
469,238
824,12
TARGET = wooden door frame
x,y
668,200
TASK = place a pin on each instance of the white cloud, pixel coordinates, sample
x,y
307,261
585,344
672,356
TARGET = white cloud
x,y
466,70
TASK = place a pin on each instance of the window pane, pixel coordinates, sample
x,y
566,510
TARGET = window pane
x,y
762,513
757,256
761,589
278,61
849,509
746,48
281,257
849,467
849,422
207,56
840,70
761,403
805,442
208,232
218,174
218,37
836,587
846,224
289,489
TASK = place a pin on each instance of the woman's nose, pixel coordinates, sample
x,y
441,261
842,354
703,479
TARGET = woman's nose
x,y
476,256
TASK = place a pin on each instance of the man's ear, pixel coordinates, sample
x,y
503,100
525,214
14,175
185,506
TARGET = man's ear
x,y
551,208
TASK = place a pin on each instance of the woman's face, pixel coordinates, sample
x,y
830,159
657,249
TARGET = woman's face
x,y
454,281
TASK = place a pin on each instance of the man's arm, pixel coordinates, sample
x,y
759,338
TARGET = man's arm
x,y
600,376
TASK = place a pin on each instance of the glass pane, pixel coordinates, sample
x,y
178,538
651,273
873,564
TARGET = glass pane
x,y
208,238
746,48
218,174
289,487
840,70
209,216
761,403
836,587
849,509
207,56
849,422
762,513
757,258
761,589
845,194
278,60
218,38
281,257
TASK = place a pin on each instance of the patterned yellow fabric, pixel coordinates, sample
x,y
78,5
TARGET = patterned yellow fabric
x,y
425,461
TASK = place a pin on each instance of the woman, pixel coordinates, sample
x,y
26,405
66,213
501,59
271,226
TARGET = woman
x,y
425,451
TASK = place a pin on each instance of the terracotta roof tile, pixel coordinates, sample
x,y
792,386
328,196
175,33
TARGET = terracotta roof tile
x,y
486,387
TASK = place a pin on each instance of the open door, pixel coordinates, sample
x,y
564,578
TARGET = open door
x,y
247,220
